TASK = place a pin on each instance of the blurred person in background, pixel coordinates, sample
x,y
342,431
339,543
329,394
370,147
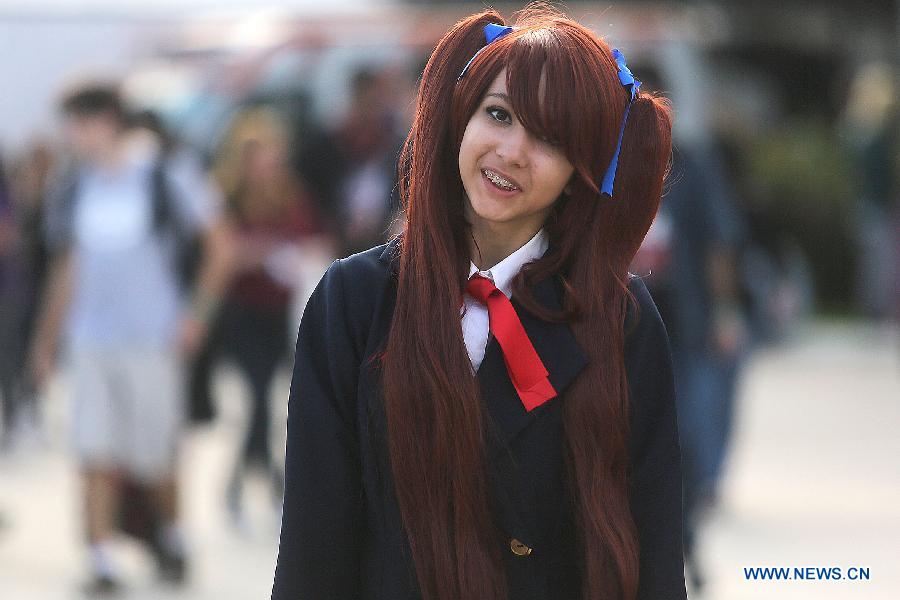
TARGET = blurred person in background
x,y
7,237
353,169
113,296
23,255
870,131
691,261
276,225
11,308
689,258
773,272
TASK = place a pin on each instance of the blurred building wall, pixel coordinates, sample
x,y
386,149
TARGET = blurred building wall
x,y
39,54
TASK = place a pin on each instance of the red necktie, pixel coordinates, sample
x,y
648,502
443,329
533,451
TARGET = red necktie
x,y
526,370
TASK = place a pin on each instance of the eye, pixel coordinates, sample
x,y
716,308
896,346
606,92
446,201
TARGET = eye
x,y
498,114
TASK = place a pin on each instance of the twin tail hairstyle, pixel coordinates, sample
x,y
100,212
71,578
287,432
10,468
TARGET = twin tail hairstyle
x,y
563,86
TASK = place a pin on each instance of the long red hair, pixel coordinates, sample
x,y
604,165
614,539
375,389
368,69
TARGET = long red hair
x,y
435,417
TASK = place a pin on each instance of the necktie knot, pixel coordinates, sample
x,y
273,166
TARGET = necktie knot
x,y
481,288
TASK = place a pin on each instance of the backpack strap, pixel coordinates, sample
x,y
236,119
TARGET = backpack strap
x,y
59,210
165,215
168,221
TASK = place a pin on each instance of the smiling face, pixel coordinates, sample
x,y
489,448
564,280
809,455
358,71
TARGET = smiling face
x,y
511,178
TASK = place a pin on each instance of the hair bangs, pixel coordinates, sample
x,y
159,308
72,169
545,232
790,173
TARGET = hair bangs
x,y
538,80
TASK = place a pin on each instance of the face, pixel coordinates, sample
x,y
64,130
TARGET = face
x,y
511,178
264,161
91,136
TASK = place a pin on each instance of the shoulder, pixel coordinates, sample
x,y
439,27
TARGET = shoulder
x,y
648,365
640,305
645,333
363,276
350,293
367,267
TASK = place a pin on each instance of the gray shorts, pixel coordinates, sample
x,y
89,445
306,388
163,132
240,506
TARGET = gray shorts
x,y
128,410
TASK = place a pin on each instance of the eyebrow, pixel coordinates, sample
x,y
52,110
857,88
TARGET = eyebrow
x,y
500,95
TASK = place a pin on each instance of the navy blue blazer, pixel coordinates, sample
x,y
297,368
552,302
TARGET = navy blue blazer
x,y
342,536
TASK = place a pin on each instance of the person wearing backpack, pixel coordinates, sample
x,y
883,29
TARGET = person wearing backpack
x,y
115,299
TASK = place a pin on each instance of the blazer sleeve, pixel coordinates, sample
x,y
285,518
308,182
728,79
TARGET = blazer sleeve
x,y
318,554
656,500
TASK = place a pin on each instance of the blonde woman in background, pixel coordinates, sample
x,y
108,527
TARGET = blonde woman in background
x,y
276,227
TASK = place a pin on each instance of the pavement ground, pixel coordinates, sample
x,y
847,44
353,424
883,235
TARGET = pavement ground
x,y
813,480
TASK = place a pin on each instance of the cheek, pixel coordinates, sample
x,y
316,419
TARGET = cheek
x,y
555,175
476,142
467,151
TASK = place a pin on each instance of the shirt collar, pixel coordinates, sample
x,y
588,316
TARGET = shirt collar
x,y
504,271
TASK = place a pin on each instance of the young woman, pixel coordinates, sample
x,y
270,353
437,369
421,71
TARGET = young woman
x,y
483,408
274,221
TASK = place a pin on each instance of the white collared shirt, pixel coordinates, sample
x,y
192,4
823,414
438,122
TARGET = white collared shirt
x,y
475,322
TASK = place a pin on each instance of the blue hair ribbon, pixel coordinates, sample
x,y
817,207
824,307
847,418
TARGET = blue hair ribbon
x,y
492,31
627,79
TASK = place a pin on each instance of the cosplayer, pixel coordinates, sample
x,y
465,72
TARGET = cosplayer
x,y
483,408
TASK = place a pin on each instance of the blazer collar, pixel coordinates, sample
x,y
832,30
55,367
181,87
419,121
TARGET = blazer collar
x,y
555,343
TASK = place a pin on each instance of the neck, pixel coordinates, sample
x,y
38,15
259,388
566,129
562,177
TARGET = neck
x,y
488,245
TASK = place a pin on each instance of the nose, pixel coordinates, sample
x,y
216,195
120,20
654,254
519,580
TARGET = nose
x,y
514,147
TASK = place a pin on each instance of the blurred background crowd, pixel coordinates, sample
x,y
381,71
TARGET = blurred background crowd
x,y
254,142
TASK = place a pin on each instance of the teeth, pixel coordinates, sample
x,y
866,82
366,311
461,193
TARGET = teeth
x,y
500,181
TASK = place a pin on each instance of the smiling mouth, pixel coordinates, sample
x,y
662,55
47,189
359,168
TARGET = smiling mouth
x,y
499,181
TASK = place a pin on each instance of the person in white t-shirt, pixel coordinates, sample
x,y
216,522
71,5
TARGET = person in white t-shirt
x,y
115,298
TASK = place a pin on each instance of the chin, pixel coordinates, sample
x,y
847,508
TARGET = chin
x,y
491,215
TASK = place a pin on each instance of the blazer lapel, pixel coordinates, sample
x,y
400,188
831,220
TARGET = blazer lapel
x,y
560,352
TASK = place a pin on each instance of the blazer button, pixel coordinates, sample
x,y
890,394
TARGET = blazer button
x,y
518,548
